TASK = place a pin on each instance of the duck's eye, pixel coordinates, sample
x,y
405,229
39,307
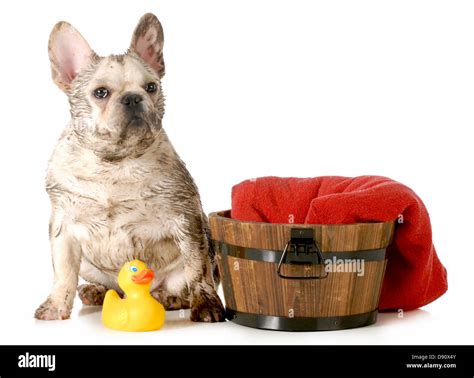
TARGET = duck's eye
x,y
150,87
101,92
134,269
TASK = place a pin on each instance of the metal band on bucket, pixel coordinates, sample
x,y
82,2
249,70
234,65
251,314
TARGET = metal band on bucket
x,y
273,256
281,323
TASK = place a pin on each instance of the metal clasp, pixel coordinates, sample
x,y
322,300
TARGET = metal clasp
x,y
302,249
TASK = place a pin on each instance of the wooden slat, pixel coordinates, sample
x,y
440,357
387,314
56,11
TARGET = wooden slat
x,y
331,238
259,290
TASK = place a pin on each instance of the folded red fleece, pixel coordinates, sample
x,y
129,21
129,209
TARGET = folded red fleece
x,y
414,276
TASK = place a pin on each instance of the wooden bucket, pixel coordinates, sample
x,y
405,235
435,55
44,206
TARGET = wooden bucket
x,y
300,277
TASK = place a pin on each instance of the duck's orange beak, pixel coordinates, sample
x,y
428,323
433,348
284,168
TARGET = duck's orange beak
x,y
144,277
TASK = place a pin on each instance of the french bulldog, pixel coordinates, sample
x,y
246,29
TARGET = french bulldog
x,y
118,189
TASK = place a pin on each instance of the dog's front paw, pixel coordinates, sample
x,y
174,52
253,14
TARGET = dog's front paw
x,y
51,311
92,294
209,311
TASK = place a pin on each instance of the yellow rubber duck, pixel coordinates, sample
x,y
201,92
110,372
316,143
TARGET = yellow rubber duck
x,y
138,311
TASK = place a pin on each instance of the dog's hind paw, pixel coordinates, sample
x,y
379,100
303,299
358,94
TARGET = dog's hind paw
x,y
175,303
92,294
210,311
50,311
171,302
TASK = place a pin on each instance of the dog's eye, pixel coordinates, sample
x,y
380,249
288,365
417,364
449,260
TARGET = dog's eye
x,y
101,92
150,87
134,269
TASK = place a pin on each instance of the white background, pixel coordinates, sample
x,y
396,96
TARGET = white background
x,y
254,88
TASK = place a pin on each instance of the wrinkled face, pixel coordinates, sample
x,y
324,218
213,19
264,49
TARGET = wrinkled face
x,y
117,107
116,101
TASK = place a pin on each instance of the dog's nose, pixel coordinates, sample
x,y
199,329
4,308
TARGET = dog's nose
x,y
131,100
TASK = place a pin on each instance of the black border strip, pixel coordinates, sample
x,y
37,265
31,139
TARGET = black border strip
x,y
273,256
281,323
241,361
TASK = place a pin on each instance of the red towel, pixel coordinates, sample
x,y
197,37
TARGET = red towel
x,y
414,276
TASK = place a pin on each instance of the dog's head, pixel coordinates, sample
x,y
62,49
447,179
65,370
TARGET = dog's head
x,y
116,101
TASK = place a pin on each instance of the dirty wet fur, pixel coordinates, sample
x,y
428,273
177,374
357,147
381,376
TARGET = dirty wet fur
x,y
118,189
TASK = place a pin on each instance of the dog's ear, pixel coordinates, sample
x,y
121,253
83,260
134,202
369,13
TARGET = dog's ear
x,y
69,53
147,42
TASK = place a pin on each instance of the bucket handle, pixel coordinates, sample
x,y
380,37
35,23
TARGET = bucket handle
x,y
306,252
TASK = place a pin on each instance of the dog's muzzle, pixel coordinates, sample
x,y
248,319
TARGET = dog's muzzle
x,y
133,106
132,101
